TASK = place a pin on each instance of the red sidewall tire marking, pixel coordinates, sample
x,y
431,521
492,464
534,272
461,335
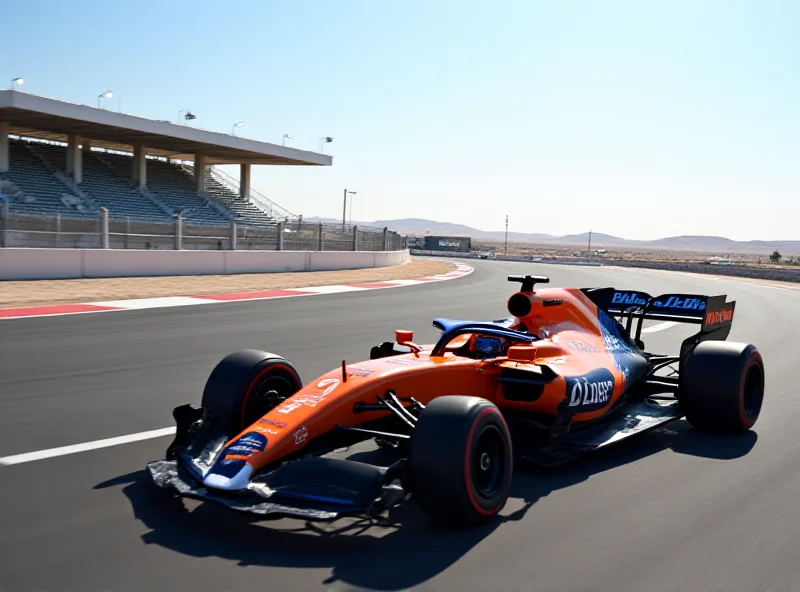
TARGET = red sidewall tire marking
x,y
270,367
748,366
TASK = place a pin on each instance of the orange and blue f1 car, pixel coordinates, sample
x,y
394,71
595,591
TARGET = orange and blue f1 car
x,y
567,374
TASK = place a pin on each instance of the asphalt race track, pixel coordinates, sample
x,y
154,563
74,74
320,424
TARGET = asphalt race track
x,y
673,510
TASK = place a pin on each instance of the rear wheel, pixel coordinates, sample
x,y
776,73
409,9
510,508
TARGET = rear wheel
x,y
722,386
460,462
246,385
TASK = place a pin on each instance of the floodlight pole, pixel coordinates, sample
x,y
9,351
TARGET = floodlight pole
x,y
106,95
506,245
344,207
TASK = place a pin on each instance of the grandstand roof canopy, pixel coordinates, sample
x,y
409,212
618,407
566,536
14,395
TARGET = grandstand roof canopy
x,y
33,116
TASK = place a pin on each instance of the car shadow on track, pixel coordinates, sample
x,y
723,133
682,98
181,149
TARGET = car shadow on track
x,y
363,553
535,483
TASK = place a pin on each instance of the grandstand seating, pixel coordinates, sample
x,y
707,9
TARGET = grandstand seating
x,y
172,188
107,190
42,192
244,211
107,182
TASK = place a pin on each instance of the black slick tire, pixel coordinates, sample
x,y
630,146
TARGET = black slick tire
x,y
461,460
244,386
722,387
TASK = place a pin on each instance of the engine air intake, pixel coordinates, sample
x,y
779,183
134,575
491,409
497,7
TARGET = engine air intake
x,y
520,305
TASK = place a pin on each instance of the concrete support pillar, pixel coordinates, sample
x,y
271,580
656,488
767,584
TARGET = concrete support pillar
x,y
244,181
70,165
6,222
4,157
355,238
139,166
104,227
280,236
321,242
178,232
86,145
74,158
233,235
200,173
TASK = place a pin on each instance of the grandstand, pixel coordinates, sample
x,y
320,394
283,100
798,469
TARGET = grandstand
x,y
62,159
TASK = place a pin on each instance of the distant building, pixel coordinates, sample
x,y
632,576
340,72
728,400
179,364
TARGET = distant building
x,y
448,243
719,261
416,242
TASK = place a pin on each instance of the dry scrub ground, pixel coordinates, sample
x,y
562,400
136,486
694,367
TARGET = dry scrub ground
x,y
42,292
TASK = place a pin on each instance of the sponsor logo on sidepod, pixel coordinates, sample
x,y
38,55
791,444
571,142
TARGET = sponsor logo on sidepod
x,y
590,392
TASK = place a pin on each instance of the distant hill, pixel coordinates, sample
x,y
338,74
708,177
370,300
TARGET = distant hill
x,y
707,244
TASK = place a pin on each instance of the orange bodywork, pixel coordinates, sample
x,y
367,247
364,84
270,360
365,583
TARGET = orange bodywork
x,y
571,344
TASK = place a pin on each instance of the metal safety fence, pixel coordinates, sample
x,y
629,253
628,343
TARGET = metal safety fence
x,y
59,231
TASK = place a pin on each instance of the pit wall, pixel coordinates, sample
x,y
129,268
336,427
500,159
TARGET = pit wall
x,y
41,264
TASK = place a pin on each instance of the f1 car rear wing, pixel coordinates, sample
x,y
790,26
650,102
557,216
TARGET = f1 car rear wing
x,y
712,313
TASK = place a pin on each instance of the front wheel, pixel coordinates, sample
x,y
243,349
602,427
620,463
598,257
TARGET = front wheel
x,y
245,386
722,386
460,461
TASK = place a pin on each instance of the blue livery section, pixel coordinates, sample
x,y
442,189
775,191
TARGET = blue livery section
x,y
590,392
247,445
616,301
691,305
627,357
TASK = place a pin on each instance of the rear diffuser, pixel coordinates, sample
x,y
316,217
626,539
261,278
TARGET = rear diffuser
x,y
633,419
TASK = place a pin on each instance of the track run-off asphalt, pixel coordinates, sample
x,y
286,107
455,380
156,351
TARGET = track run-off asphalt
x,y
674,509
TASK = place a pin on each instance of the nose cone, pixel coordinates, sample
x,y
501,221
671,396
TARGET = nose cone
x,y
231,470
239,479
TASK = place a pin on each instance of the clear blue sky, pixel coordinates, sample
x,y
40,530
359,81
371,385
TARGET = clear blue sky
x,y
639,119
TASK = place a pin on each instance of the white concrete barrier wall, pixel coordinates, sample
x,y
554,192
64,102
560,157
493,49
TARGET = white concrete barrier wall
x,y
99,263
40,264
327,260
256,262
36,264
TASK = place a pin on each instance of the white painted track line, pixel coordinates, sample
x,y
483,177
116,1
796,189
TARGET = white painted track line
x,y
160,302
64,450
338,289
